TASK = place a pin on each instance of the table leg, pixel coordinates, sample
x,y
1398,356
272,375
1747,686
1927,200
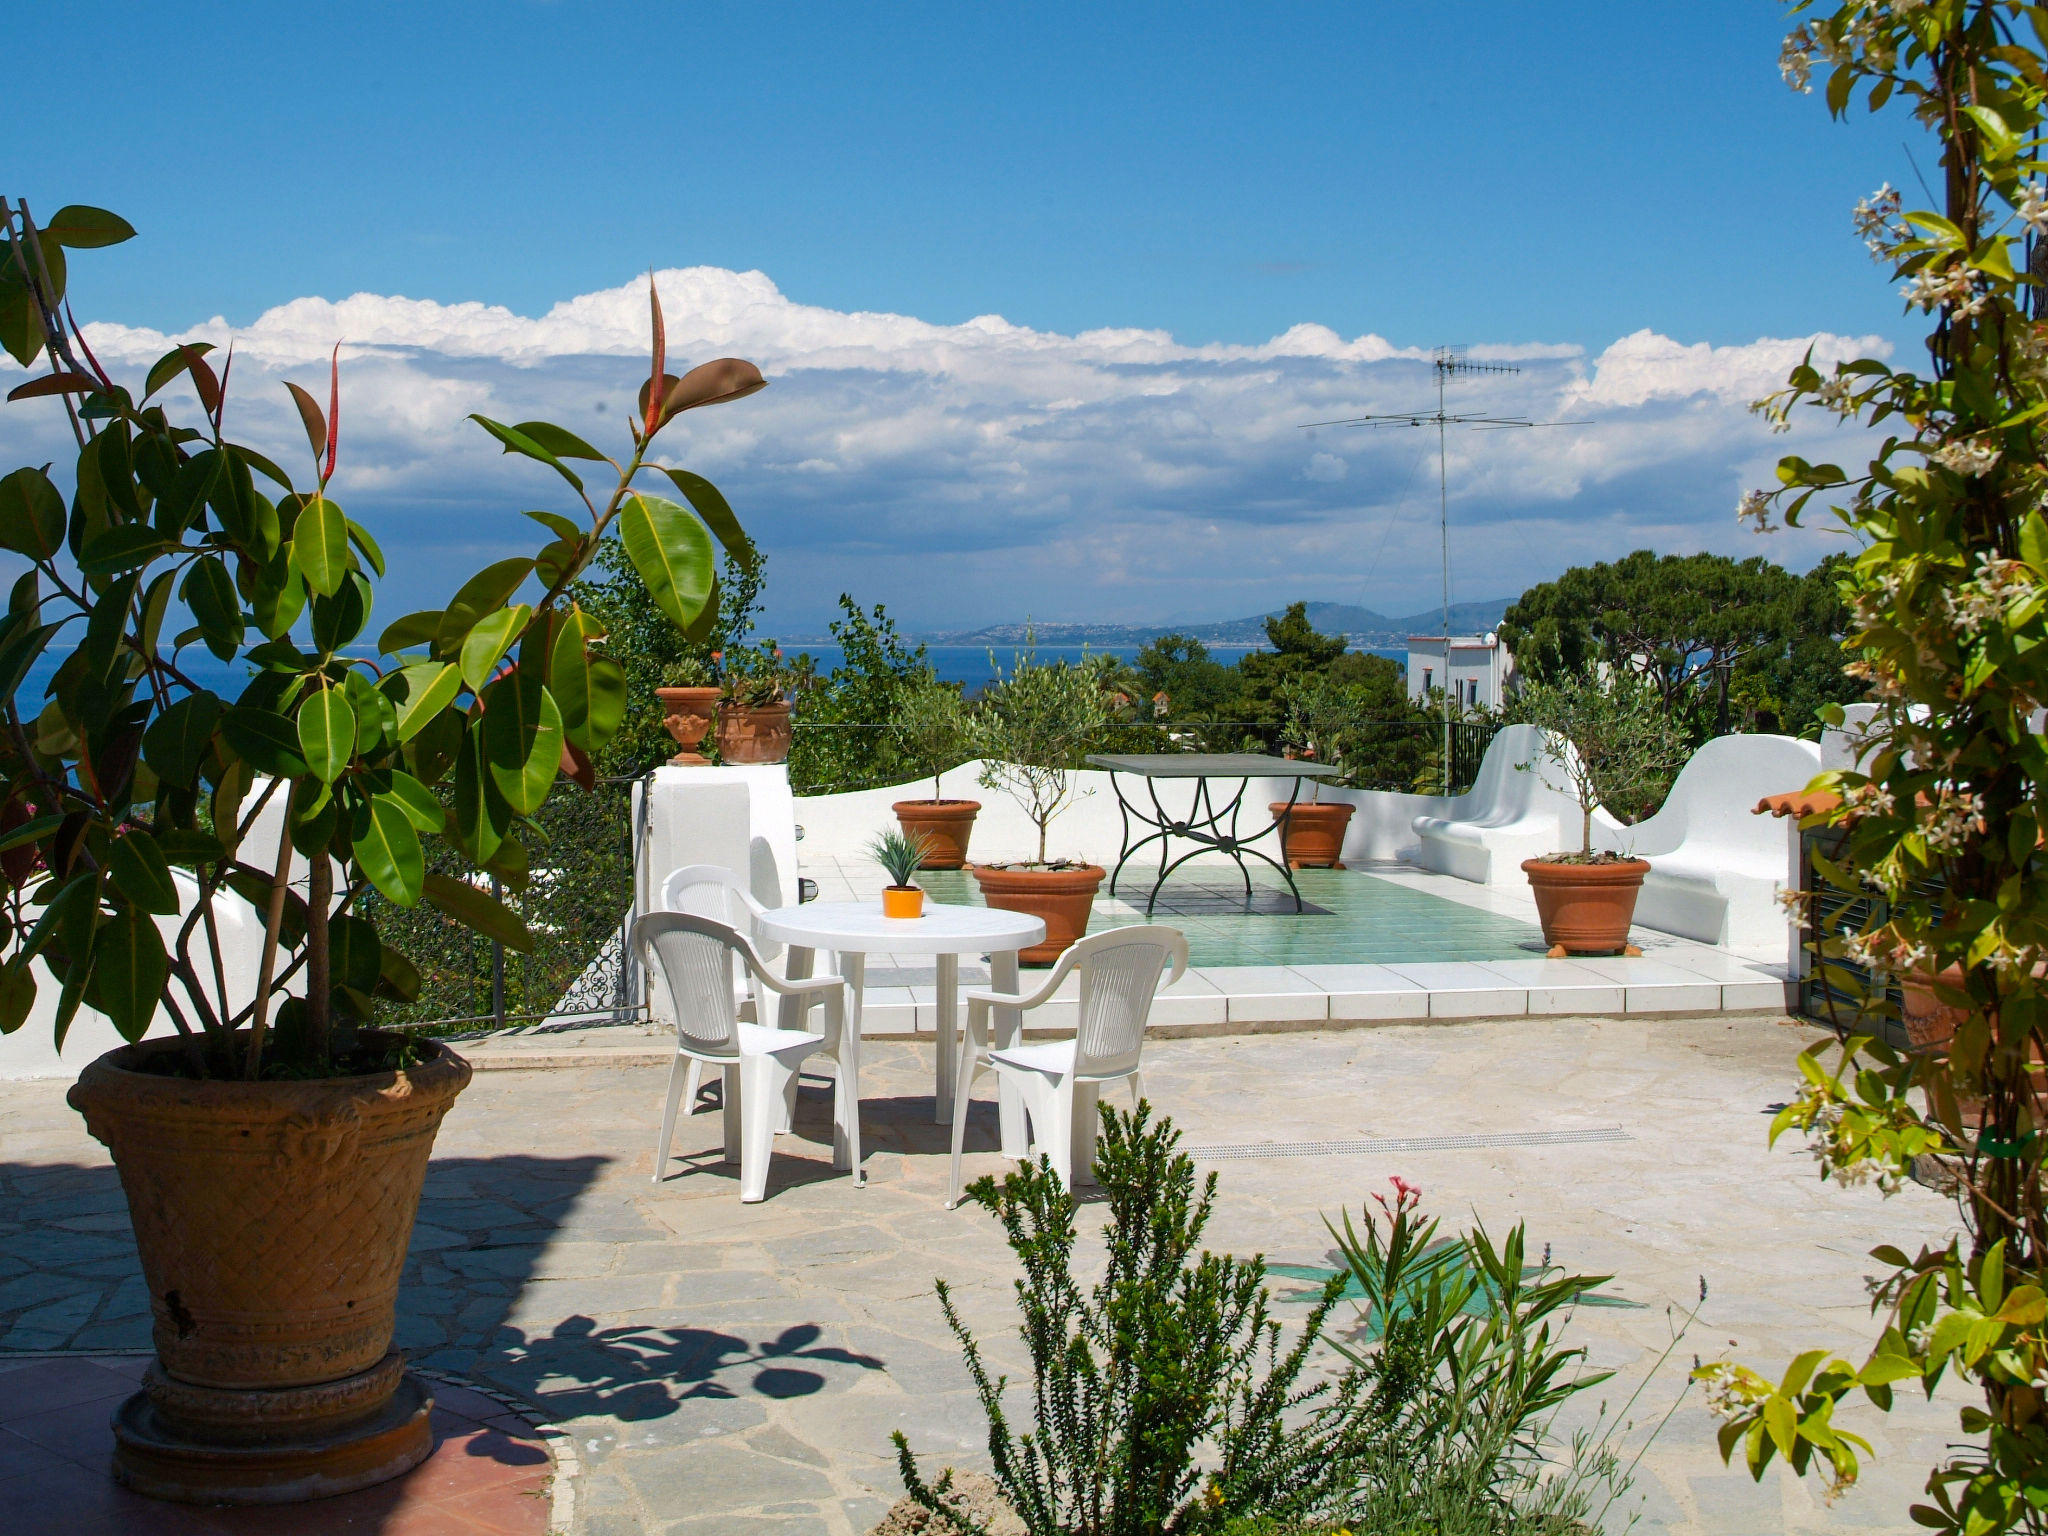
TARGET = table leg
x,y
947,993
1006,1024
852,966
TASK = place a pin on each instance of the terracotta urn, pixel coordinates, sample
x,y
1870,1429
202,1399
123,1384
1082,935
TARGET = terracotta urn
x,y
1312,832
688,713
1062,898
945,826
272,1221
1586,909
753,734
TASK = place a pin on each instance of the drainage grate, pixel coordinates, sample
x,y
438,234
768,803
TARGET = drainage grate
x,y
1413,1143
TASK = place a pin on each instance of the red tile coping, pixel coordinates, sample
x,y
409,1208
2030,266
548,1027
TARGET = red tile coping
x,y
489,1475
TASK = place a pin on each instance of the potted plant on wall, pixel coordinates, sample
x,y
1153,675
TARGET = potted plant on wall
x,y
689,708
1606,740
1033,729
934,731
1320,712
754,707
272,1149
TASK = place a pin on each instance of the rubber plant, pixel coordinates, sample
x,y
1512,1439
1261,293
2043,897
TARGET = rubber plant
x,y
273,1148
128,768
1941,829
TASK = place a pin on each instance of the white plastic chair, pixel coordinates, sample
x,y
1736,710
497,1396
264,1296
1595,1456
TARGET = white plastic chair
x,y
713,891
1059,1080
696,956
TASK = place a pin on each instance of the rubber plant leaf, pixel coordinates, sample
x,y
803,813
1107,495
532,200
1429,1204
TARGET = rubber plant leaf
x,y
478,911
387,847
141,872
129,970
327,733
671,550
320,545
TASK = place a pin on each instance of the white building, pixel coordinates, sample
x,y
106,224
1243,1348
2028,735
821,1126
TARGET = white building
x,y
1479,672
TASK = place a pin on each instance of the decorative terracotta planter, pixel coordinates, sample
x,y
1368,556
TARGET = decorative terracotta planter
x,y
902,901
756,734
1312,833
1586,909
1063,898
688,713
945,826
272,1220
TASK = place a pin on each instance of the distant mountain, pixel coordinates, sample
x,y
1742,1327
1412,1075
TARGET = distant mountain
x,y
1362,626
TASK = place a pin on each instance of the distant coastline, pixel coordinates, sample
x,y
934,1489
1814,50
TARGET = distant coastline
x,y
1362,627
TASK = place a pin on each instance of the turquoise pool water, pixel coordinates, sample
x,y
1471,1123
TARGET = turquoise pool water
x,y
1352,918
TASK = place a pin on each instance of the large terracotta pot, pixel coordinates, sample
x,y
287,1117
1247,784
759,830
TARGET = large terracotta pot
x,y
1062,897
272,1221
945,826
688,713
1930,1024
1312,833
1586,909
753,734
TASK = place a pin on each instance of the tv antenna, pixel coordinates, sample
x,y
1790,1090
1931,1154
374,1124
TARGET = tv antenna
x,y
1445,363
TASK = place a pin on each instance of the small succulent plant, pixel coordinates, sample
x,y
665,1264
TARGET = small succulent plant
x,y
901,854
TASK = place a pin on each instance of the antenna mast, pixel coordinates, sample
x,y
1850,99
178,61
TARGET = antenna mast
x,y
1445,362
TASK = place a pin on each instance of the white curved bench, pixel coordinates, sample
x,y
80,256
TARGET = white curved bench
x,y
1716,867
1511,813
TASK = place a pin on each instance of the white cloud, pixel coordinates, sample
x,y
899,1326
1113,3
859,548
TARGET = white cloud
x,y
973,472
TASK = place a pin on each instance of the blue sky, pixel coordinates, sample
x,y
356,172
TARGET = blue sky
x,y
1504,175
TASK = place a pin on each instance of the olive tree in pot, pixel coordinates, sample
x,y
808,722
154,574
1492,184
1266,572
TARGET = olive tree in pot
x,y
934,730
1034,728
1606,740
273,1147
1321,714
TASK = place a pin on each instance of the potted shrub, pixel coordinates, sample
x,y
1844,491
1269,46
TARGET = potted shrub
x,y
902,855
1318,716
272,1149
689,708
1606,739
934,731
1033,729
754,706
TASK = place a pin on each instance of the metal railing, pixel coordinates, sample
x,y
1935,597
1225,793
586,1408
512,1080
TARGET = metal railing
x,y
831,757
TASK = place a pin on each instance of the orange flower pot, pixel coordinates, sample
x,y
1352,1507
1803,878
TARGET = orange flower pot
x,y
902,901
753,734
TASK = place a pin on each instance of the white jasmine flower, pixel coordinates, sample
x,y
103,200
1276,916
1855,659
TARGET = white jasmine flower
x,y
1755,509
1966,456
1795,60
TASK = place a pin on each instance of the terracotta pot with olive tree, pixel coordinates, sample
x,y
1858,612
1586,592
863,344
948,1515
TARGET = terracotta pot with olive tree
x,y
932,728
1318,716
1033,728
754,708
1604,739
272,1149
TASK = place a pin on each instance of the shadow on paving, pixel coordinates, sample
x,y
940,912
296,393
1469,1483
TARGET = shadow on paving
x,y
636,1373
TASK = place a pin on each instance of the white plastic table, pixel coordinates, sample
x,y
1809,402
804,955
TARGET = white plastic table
x,y
853,930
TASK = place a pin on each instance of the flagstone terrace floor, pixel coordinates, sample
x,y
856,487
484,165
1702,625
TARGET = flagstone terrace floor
x,y
727,1368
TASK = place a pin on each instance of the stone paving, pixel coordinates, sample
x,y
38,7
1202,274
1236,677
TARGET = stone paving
x,y
729,1368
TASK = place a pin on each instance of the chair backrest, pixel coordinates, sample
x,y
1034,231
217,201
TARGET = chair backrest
x,y
713,891
695,956
1120,975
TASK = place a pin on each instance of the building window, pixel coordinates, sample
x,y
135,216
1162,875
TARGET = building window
x,y
1427,675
